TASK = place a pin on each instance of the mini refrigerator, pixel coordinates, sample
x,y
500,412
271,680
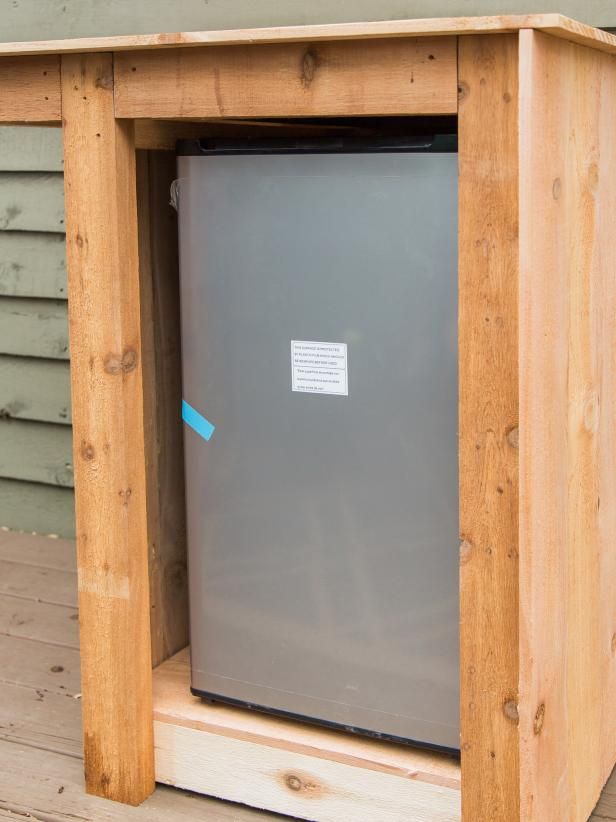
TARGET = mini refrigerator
x,y
319,344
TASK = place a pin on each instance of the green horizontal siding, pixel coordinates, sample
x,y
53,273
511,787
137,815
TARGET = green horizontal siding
x,y
30,149
36,451
34,328
40,19
35,389
35,435
32,264
31,201
30,506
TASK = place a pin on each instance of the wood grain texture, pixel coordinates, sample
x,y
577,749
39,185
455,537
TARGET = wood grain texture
x,y
33,389
36,452
175,704
292,768
567,427
30,149
44,509
25,549
160,341
34,717
30,89
40,727
54,668
108,430
34,328
32,779
31,202
412,76
39,621
32,264
38,583
557,24
488,414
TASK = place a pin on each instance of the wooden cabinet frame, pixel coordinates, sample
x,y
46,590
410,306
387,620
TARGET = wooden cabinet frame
x,y
535,98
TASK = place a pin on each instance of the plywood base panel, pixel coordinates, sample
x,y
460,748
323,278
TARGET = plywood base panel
x,y
291,768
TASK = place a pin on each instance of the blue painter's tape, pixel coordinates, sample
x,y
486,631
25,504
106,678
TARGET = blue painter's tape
x,y
198,423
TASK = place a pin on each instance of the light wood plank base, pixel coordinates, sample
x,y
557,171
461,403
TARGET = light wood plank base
x,y
292,768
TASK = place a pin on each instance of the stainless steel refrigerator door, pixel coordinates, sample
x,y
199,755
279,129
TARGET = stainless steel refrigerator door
x,y
323,528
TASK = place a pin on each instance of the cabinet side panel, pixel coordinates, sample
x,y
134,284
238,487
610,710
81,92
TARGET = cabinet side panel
x,y
488,356
567,462
162,380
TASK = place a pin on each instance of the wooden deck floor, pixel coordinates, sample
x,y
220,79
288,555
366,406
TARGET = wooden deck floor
x,y
40,733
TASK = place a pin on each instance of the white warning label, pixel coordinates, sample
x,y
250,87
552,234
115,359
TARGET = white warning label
x,y
319,367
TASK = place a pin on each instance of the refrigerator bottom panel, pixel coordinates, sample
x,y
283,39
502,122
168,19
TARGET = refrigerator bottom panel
x,y
362,722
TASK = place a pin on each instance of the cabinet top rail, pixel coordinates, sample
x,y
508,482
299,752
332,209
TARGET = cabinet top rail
x,y
555,24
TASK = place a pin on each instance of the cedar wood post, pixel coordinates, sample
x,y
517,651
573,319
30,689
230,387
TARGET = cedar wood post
x,y
108,432
488,425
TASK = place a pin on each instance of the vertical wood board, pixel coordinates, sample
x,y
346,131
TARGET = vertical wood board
x,y
108,428
160,322
488,419
567,426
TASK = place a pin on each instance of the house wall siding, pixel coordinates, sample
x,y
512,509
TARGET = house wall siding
x,y
36,475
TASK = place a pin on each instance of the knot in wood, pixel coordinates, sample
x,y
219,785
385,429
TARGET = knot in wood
x,y
293,782
125,495
309,67
539,719
510,709
87,451
104,81
591,411
114,364
303,784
